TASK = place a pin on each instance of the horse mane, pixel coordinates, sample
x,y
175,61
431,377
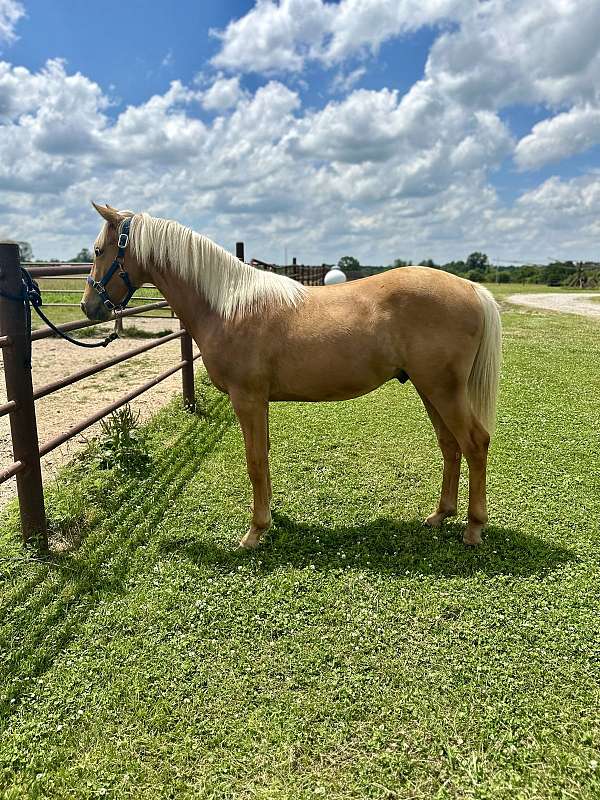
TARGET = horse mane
x,y
230,287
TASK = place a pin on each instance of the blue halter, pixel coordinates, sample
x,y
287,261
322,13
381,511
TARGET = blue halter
x,y
117,264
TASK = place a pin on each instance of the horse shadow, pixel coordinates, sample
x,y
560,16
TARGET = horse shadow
x,y
384,545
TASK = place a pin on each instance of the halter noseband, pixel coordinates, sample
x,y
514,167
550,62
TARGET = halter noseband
x,y
117,264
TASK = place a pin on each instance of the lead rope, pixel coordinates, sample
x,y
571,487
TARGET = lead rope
x,y
31,296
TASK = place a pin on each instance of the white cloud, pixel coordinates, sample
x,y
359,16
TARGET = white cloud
x,y
343,82
273,36
563,135
514,51
282,36
223,94
501,53
360,24
11,12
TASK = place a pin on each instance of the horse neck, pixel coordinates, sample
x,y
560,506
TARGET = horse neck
x,y
187,302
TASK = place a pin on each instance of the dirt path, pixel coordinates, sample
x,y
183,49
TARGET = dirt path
x,y
54,358
579,303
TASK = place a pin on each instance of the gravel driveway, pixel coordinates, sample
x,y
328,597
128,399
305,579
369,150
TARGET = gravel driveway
x,y
55,358
575,303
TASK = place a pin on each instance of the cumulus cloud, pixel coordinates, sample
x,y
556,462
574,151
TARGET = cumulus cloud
x,y
563,135
383,174
222,94
520,52
282,36
273,36
11,12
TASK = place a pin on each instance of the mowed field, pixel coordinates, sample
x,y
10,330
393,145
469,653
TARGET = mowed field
x,y
357,654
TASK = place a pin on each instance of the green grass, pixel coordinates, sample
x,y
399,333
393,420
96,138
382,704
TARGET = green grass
x,y
356,654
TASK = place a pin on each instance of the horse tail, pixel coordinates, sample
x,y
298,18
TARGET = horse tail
x,y
483,381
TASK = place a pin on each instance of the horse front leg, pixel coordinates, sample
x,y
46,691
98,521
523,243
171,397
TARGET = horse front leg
x,y
253,416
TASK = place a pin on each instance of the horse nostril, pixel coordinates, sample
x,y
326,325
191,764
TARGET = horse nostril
x,y
82,305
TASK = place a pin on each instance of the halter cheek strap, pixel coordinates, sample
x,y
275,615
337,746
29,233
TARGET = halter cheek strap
x,y
117,264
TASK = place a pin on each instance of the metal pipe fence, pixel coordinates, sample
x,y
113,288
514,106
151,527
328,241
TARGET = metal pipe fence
x,y
16,339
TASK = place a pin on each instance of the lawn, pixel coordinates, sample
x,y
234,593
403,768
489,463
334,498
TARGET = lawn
x,y
356,654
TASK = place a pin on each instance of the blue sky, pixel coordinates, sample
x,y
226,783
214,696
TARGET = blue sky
x,y
379,128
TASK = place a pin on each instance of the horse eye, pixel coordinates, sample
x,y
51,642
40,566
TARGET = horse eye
x,y
97,251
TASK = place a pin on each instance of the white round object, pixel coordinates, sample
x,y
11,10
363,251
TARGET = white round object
x,y
335,275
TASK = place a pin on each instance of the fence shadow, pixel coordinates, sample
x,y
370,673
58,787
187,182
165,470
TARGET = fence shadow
x,y
387,546
45,612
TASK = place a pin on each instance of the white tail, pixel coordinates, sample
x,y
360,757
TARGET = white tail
x,y
485,372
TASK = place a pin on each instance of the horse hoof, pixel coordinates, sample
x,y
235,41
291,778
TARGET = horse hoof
x,y
472,537
253,537
435,520
250,540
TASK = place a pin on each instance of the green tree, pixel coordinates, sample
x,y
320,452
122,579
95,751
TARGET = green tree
x,y
83,257
348,263
400,262
456,267
557,273
25,251
477,261
428,262
476,275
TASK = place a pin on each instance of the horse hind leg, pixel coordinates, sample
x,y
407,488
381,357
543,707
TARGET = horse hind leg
x,y
473,440
452,457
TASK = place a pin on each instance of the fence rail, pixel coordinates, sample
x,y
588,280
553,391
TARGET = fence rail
x,y
16,340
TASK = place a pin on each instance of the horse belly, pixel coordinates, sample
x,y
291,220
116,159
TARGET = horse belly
x,y
326,379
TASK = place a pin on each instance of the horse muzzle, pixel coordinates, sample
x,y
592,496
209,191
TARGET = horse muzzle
x,y
95,310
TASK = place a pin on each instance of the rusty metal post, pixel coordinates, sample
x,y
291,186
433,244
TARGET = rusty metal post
x,y
239,250
17,373
187,371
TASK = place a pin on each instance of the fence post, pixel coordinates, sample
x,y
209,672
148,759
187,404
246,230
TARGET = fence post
x,y
187,371
23,425
239,250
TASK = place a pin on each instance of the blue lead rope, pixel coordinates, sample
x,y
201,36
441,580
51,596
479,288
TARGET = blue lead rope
x,y
31,296
34,297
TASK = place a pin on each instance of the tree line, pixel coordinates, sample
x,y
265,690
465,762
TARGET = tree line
x,y
477,267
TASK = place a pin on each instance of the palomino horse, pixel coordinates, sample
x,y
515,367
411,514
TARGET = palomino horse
x,y
265,337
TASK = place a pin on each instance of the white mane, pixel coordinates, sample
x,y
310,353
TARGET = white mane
x,y
229,286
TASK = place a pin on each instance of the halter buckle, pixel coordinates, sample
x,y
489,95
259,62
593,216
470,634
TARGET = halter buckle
x,y
123,241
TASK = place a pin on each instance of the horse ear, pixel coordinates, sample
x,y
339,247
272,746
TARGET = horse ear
x,y
111,215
